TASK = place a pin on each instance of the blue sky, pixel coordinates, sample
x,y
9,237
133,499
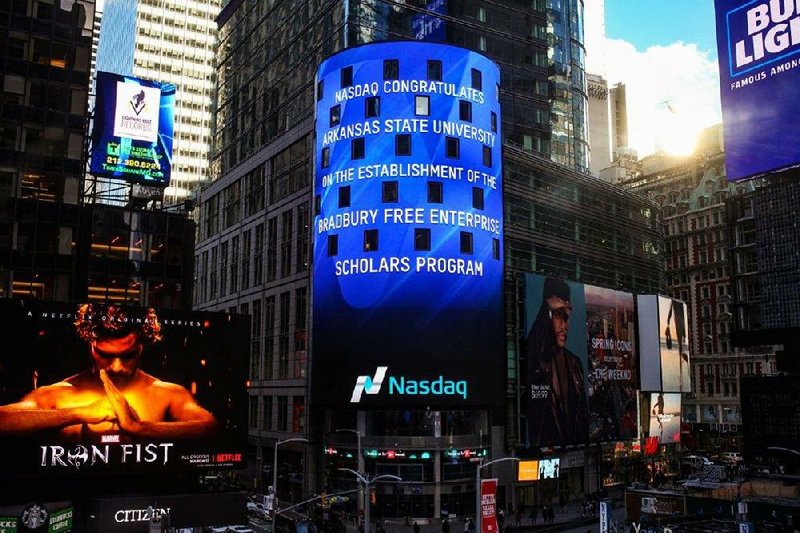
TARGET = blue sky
x,y
665,53
645,23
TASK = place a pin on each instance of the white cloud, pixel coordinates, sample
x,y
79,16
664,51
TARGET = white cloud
x,y
672,93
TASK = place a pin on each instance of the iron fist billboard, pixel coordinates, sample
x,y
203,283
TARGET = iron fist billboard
x,y
99,387
408,230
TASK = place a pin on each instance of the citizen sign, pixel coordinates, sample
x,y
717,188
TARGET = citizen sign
x,y
138,515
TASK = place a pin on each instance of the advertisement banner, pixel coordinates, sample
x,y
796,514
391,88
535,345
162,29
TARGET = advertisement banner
x,y
489,506
60,521
8,524
605,515
665,417
104,388
674,345
758,44
555,401
428,27
132,131
612,380
408,268
548,468
528,470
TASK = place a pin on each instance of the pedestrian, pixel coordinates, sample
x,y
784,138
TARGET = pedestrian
x,y
416,526
466,525
445,525
519,516
534,515
501,519
379,527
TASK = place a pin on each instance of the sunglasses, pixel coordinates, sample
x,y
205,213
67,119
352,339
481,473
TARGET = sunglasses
x,y
562,313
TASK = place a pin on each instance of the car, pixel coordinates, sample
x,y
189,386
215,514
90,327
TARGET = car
x,y
257,510
697,461
232,529
732,457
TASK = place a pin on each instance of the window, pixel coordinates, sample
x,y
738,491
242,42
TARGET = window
x,y
326,157
452,147
422,105
466,242
477,198
333,245
344,196
320,89
335,115
370,240
422,239
402,144
347,76
357,148
465,111
389,192
391,69
283,413
494,121
434,70
477,80
496,248
487,156
373,106
435,192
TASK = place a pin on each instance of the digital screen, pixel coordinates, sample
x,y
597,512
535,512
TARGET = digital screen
x,y
103,388
665,417
612,376
132,132
428,27
528,471
408,235
664,344
548,468
651,446
758,44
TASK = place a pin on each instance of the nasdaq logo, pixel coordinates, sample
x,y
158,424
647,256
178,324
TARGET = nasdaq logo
x,y
404,386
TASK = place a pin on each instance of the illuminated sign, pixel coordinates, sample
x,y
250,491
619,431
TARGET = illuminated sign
x,y
651,446
132,132
467,453
147,389
758,43
664,344
407,280
548,468
528,471
428,27
665,417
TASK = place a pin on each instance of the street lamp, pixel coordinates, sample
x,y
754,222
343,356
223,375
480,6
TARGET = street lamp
x,y
359,463
366,480
478,489
275,468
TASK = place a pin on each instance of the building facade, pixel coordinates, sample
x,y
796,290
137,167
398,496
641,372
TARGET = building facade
x,y
170,42
254,235
699,267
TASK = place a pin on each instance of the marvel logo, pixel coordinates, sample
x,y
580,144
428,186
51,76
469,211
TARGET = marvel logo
x,y
109,439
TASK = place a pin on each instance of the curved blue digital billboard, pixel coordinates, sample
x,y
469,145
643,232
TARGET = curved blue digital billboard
x,y
408,229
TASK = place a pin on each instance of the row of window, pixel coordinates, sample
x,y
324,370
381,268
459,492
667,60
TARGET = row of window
x,y
391,71
282,419
390,193
422,108
422,242
402,147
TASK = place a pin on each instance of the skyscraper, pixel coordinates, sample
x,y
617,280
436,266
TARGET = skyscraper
x,y
256,218
169,41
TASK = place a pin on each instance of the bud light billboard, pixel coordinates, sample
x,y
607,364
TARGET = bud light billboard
x,y
408,232
105,388
758,43
132,132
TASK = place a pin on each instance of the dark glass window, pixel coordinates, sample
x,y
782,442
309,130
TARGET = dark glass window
x,y
357,148
435,192
477,80
370,240
317,204
434,70
326,157
496,248
373,106
466,242
344,196
494,122
320,89
487,156
391,69
389,191
477,198
452,147
422,105
335,115
402,144
347,76
333,245
422,239
465,110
